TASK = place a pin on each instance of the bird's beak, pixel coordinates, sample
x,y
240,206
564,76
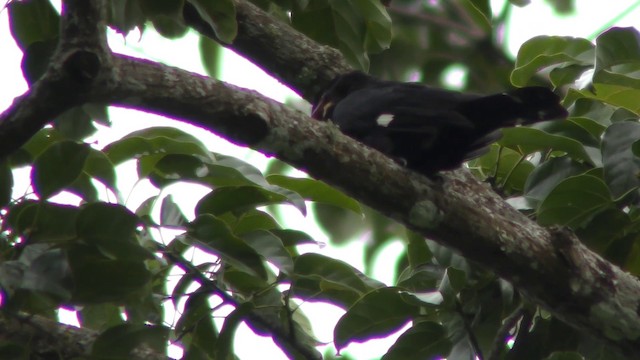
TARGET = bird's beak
x,y
320,110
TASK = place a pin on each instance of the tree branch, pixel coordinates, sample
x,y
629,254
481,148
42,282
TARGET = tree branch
x,y
289,56
48,339
549,265
280,333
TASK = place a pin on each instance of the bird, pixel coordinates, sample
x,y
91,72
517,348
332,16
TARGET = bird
x,y
425,128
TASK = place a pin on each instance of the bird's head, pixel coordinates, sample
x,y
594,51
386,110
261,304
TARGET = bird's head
x,y
339,88
538,104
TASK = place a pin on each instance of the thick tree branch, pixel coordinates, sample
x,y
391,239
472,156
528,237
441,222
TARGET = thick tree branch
x,y
549,265
48,339
286,54
79,69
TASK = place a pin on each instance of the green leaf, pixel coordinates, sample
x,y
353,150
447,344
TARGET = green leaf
x,y
98,279
377,314
100,167
44,222
617,70
100,316
452,283
424,340
221,15
6,184
120,340
196,319
353,27
169,27
37,58
315,190
593,115
340,224
513,170
41,141
249,183
425,299
571,130
544,51
418,252
604,229
112,228
210,55
153,8
617,46
377,25
253,220
423,277
170,213
156,141
241,199
548,175
99,112
84,188
349,27
126,15
480,12
32,21
224,345
271,248
529,140
293,237
75,124
146,207
49,273
621,165
320,277
575,201
103,220
57,167
216,236
564,75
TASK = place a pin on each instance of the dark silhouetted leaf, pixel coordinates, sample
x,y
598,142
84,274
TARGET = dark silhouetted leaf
x,y
424,340
120,340
575,201
33,21
544,51
621,165
215,235
221,15
58,167
375,315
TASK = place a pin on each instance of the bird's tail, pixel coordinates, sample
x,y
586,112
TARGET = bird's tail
x,y
522,106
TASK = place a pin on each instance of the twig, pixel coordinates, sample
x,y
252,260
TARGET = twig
x,y
509,323
276,330
473,341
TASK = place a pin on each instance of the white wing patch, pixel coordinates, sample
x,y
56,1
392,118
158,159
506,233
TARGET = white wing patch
x,y
384,119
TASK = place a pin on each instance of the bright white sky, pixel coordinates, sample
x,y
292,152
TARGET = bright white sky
x,y
536,19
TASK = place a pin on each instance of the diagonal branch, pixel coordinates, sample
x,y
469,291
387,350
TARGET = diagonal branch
x,y
549,265
277,48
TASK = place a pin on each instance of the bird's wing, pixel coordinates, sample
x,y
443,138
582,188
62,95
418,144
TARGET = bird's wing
x,y
414,118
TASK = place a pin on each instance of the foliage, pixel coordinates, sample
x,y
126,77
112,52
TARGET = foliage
x,y
109,261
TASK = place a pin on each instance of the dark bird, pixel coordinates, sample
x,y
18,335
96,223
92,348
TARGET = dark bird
x,y
427,128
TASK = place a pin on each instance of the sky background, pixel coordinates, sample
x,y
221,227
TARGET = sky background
x,y
590,18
